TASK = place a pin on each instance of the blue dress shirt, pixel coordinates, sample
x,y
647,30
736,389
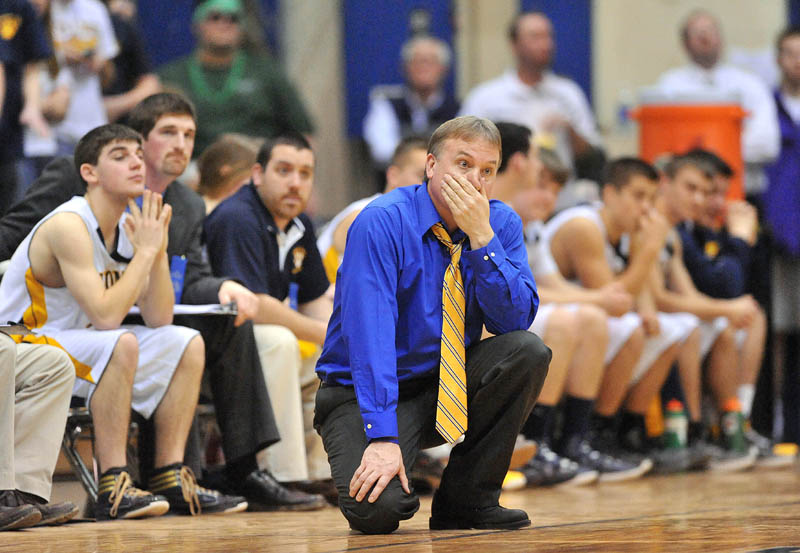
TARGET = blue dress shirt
x,y
387,313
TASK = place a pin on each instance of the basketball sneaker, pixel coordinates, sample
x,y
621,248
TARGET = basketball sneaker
x,y
665,460
606,442
548,468
608,467
185,496
117,498
734,452
768,455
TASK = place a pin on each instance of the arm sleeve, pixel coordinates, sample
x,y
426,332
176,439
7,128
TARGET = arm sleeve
x,y
139,60
761,134
58,182
107,47
242,257
724,276
504,285
200,286
313,279
368,284
381,129
582,118
33,37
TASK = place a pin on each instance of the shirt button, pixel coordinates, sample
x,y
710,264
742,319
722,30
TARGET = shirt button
x,y
369,426
492,254
486,258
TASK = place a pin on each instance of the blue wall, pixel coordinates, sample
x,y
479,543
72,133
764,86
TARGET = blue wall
x,y
167,28
374,31
373,35
793,11
572,25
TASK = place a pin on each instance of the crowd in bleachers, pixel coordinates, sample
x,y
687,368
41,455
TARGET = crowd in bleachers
x,y
659,294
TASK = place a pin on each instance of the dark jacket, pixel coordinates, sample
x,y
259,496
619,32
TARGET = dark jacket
x,y
60,181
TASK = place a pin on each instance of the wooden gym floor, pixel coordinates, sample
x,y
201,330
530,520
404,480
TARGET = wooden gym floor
x,y
743,512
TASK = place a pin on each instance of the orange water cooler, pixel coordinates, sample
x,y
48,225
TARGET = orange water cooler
x,y
669,125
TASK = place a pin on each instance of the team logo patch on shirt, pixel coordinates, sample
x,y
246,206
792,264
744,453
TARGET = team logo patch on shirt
x,y
712,248
9,25
298,256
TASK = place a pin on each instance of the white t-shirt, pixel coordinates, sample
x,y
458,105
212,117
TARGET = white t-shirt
x,y
44,146
507,98
760,136
82,25
792,105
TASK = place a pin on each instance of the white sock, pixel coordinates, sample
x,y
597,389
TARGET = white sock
x,y
746,393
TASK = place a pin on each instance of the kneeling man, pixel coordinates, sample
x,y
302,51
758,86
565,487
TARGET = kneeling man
x,y
403,367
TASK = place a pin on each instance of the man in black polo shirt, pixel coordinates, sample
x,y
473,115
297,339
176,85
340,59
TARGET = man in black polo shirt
x,y
260,237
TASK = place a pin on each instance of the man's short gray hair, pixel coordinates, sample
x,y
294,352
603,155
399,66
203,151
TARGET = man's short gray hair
x,y
410,46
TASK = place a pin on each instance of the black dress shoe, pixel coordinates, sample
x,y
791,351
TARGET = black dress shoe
x,y
264,493
426,475
325,488
493,517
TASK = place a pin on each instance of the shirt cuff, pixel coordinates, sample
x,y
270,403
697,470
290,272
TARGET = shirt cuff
x,y
380,425
487,258
390,439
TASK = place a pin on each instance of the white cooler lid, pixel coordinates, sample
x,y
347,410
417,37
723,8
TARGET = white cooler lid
x,y
657,96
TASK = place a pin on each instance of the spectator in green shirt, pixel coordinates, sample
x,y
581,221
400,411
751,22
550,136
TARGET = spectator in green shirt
x,y
233,89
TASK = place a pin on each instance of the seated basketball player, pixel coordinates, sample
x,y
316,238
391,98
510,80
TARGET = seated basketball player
x,y
52,286
585,244
530,181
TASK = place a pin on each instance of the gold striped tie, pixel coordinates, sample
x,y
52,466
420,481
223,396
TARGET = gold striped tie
x,y
451,409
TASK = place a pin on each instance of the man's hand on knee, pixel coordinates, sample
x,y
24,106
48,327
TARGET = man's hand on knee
x,y
379,464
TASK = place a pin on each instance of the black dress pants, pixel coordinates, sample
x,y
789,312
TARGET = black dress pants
x,y
241,401
504,377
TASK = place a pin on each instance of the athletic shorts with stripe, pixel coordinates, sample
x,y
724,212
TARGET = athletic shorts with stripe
x,y
160,352
620,329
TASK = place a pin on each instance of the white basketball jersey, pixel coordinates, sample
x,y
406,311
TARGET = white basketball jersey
x,y
539,257
592,212
25,299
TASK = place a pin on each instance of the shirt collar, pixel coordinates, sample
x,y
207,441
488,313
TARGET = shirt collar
x,y
434,100
512,77
427,215
271,226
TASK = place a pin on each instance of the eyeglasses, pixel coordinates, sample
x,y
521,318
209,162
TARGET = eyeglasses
x,y
217,17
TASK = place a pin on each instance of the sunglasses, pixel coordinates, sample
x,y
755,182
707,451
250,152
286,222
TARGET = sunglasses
x,y
217,17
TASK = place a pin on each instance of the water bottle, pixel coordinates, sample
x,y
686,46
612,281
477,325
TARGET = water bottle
x,y
732,424
676,425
